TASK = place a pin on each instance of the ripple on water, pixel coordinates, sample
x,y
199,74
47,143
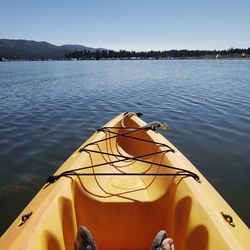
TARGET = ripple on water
x,y
49,108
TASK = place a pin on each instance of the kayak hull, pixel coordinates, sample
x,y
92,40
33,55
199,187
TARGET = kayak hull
x,y
125,212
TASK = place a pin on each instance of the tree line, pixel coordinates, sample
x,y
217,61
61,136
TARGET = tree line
x,y
106,54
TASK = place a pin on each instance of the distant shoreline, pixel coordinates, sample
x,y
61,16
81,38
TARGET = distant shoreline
x,y
131,59
28,50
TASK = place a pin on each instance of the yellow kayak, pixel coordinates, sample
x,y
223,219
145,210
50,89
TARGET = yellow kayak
x,y
125,183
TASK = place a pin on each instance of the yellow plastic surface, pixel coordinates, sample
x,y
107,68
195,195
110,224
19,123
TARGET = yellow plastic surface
x,y
125,212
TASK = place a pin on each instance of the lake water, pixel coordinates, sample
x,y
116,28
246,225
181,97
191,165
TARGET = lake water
x,y
47,109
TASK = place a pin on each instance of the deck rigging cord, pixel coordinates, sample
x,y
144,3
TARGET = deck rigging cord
x,y
122,158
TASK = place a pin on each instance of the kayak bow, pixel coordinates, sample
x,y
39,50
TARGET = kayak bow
x,y
125,183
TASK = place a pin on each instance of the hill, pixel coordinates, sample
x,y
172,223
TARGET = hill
x,y
27,49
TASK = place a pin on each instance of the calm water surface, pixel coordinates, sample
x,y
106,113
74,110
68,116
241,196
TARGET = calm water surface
x,y
47,109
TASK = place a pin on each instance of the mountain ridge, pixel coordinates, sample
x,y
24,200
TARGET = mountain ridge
x,y
30,49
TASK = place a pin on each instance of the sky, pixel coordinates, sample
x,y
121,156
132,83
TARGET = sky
x,y
139,25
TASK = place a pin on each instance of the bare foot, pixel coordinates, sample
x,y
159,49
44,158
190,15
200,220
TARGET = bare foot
x,y
168,244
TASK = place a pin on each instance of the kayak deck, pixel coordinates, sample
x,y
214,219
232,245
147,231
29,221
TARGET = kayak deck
x,y
118,187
